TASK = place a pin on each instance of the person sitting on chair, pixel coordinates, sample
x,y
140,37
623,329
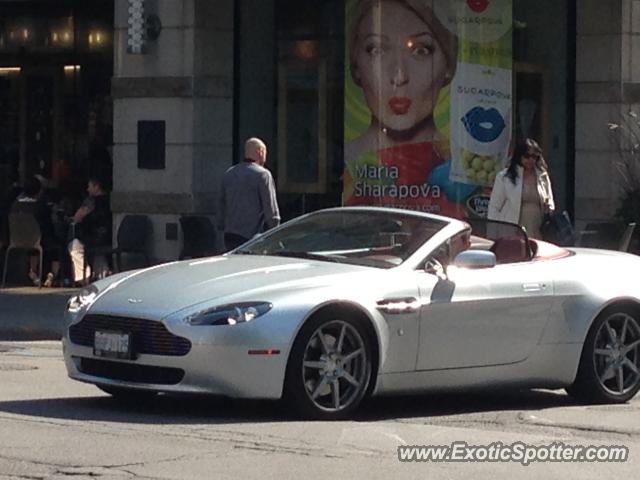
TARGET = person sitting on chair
x,y
92,228
32,201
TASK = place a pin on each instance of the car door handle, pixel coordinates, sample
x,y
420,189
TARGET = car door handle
x,y
533,287
396,306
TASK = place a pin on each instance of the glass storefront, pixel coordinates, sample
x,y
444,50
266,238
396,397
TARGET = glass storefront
x,y
310,44
325,129
56,64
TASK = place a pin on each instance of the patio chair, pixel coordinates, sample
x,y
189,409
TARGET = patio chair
x,y
24,234
198,237
599,235
625,241
606,235
134,234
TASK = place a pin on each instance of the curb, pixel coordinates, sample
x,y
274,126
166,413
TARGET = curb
x,y
29,313
28,334
545,422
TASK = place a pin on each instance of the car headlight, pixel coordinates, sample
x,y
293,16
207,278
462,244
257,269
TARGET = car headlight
x,y
229,314
83,300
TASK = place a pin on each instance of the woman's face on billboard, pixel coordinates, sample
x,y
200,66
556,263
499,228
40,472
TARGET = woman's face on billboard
x,y
399,64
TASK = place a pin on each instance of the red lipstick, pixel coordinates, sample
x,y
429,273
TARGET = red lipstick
x,y
399,105
478,6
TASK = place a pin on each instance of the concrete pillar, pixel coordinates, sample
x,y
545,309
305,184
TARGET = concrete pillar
x,y
186,80
607,80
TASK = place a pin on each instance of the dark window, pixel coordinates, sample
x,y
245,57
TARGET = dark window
x,y
151,144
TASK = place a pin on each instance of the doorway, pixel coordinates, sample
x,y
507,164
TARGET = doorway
x,y
40,131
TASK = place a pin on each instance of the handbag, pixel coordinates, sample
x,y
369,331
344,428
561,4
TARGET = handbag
x,y
557,228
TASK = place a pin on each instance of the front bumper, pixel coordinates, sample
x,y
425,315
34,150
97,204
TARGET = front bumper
x,y
219,362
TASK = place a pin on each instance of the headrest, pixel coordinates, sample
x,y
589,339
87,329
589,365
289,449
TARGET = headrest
x,y
510,250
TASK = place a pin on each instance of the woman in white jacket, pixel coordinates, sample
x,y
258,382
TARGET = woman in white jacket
x,y
522,191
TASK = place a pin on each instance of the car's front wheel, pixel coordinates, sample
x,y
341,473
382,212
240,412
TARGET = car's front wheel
x,y
329,368
609,370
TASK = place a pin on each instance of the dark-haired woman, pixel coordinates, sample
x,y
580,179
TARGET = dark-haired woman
x,y
522,192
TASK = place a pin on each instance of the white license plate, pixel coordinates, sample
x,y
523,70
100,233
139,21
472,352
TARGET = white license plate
x,y
112,344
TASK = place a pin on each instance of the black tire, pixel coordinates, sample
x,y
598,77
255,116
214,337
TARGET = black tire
x,y
335,390
609,370
128,395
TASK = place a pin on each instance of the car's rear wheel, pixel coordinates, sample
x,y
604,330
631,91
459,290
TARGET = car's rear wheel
x,y
329,368
609,370
127,394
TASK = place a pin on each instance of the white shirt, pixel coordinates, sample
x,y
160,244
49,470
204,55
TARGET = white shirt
x,y
506,197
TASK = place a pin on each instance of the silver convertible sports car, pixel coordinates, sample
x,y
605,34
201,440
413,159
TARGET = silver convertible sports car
x,y
344,303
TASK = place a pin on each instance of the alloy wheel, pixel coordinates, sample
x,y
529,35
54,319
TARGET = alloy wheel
x,y
335,368
616,355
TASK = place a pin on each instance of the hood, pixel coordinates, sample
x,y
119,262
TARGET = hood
x,y
159,291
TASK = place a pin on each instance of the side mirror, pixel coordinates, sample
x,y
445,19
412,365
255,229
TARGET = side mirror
x,y
474,259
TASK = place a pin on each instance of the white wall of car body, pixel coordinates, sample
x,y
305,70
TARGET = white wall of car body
x,y
585,284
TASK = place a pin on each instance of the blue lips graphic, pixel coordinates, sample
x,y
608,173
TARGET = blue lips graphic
x,y
477,118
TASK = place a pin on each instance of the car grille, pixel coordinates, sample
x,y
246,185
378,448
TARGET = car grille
x,y
131,372
149,337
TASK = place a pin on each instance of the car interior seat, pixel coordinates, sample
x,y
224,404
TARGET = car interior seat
x,y
511,250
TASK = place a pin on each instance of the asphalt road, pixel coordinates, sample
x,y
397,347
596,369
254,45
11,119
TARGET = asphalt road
x,y
52,427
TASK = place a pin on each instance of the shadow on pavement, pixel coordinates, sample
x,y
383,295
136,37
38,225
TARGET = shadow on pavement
x,y
219,410
439,405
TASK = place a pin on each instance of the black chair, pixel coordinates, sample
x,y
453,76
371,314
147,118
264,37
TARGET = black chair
x,y
4,229
198,237
134,235
601,235
625,241
24,234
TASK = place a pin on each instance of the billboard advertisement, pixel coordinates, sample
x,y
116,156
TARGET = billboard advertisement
x,y
428,103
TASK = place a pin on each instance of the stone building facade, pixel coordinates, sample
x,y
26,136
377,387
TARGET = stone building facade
x,y
217,73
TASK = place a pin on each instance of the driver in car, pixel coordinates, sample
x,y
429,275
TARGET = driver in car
x,y
447,252
459,243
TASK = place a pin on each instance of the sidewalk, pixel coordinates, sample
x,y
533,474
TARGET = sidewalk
x,y
30,313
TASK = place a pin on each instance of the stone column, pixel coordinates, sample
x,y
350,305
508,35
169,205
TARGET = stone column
x,y
606,81
186,80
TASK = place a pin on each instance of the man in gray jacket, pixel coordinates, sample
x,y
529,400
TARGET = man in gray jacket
x,y
248,203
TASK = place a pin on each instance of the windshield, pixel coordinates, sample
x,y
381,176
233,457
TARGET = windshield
x,y
377,239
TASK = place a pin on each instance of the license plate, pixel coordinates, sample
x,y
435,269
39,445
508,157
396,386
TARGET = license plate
x,y
112,344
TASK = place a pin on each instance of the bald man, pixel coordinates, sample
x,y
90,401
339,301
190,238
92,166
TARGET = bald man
x,y
248,203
